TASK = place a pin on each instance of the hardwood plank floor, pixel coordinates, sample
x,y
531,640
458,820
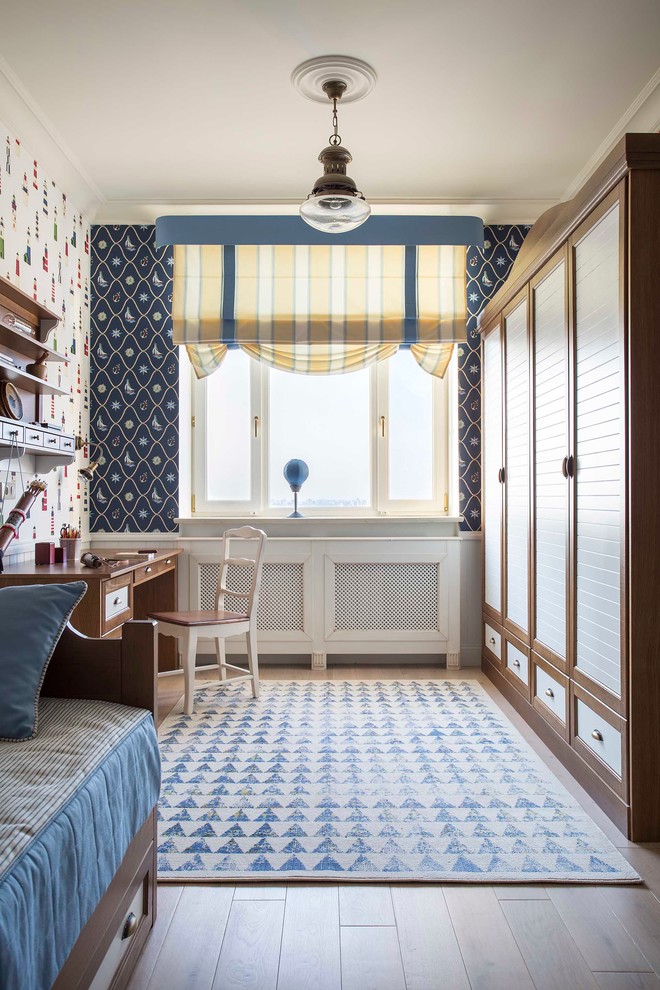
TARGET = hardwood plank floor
x,y
250,955
408,937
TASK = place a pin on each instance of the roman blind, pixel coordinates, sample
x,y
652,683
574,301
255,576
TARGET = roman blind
x,y
319,308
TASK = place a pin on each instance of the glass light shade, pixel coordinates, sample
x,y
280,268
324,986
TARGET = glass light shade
x,y
334,212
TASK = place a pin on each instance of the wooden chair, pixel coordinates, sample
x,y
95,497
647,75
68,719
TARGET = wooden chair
x,y
218,624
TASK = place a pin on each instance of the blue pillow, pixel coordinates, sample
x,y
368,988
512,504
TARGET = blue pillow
x,y
32,619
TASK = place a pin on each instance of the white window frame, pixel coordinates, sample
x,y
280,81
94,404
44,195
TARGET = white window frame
x,y
444,446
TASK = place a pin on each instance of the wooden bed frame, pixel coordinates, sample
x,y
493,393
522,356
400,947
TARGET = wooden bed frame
x,y
123,671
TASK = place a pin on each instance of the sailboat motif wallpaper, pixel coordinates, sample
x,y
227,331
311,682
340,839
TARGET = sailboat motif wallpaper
x,y
135,378
45,250
487,269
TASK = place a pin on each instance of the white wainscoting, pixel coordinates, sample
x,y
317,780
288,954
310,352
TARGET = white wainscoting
x,y
389,594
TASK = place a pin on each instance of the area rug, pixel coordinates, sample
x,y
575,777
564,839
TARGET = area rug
x,y
364,781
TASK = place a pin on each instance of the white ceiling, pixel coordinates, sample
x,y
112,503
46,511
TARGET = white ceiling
x,y
180,101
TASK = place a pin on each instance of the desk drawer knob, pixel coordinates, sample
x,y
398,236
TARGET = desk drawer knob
x,y
130,926
492,640
515,663
550,693
169,560
117,601
597,735
147,570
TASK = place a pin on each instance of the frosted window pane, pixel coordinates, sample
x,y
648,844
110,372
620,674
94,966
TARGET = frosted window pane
x,y
228,430
323,420
410,429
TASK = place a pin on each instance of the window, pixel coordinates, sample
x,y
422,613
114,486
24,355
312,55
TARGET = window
x,y
375,440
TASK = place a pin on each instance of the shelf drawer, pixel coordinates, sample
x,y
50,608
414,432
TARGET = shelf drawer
x,y
517,663
51,441
13,431
550,693
34,437
116,602
67,444
602,738
493,641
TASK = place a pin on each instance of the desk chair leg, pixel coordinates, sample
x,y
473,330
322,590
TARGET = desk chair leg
x,y
253,660
189,650
222,657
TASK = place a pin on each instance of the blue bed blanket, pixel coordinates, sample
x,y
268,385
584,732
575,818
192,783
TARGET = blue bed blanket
x,y
71,801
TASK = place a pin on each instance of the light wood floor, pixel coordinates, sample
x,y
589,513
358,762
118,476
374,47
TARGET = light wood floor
x,y
408,937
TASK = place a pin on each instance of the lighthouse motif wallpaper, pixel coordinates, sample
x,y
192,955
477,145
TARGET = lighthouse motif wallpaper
x,y
45,251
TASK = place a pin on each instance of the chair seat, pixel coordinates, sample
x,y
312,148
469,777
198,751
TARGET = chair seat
x,y
203,617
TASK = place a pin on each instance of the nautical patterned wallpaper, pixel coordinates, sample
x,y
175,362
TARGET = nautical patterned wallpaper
x,y
487,269
135,375
44,249
134,383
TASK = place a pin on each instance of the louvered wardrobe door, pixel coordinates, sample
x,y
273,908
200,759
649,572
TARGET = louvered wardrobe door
x,y
550,462
599,454
493,460
516,463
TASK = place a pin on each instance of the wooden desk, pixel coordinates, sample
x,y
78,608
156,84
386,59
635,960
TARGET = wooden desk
x,y
114,595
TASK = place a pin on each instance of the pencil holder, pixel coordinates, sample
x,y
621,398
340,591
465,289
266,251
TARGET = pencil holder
x,y
71,548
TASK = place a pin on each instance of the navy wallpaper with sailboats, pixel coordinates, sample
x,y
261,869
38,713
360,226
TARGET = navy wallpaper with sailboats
x,y
134,377
134,426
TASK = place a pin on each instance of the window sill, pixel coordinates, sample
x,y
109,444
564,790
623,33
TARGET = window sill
x,y
325,527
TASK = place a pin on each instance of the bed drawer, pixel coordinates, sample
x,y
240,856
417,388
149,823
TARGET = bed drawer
x,y
121,942
602,738
492,641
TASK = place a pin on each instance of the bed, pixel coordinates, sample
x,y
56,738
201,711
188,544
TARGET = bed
x,y
77,820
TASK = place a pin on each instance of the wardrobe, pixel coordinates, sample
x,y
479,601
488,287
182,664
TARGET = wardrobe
x,y
570,484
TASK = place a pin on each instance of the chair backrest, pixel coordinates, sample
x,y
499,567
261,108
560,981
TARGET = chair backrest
x,y
243,567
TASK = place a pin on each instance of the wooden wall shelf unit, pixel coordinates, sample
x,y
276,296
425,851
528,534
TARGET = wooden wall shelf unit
x,y
114,595
570,485
28,309
49,447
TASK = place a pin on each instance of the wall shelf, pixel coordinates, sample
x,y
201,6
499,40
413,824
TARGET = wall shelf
x,y
44,460
28,309
32,348
29,383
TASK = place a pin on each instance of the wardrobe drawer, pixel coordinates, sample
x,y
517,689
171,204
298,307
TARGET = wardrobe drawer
x,y
517,667
492,641
602,738
550,693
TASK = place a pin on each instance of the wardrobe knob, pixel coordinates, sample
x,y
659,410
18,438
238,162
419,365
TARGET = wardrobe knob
x,y
597,734
550,693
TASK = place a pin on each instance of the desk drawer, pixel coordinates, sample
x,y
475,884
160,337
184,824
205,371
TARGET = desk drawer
x,y
116,602
145,572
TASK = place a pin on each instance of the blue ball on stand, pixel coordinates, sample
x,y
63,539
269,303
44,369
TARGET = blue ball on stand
x,y
296,474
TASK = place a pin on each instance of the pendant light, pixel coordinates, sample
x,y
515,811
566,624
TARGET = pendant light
x,y
335,205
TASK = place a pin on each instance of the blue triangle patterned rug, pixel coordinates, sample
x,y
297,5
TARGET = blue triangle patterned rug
x,y
361,781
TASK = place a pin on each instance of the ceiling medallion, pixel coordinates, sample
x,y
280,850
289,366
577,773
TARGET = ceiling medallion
x,y
335,205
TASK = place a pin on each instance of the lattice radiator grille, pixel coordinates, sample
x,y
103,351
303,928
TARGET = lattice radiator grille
x,y
386,596
281,598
